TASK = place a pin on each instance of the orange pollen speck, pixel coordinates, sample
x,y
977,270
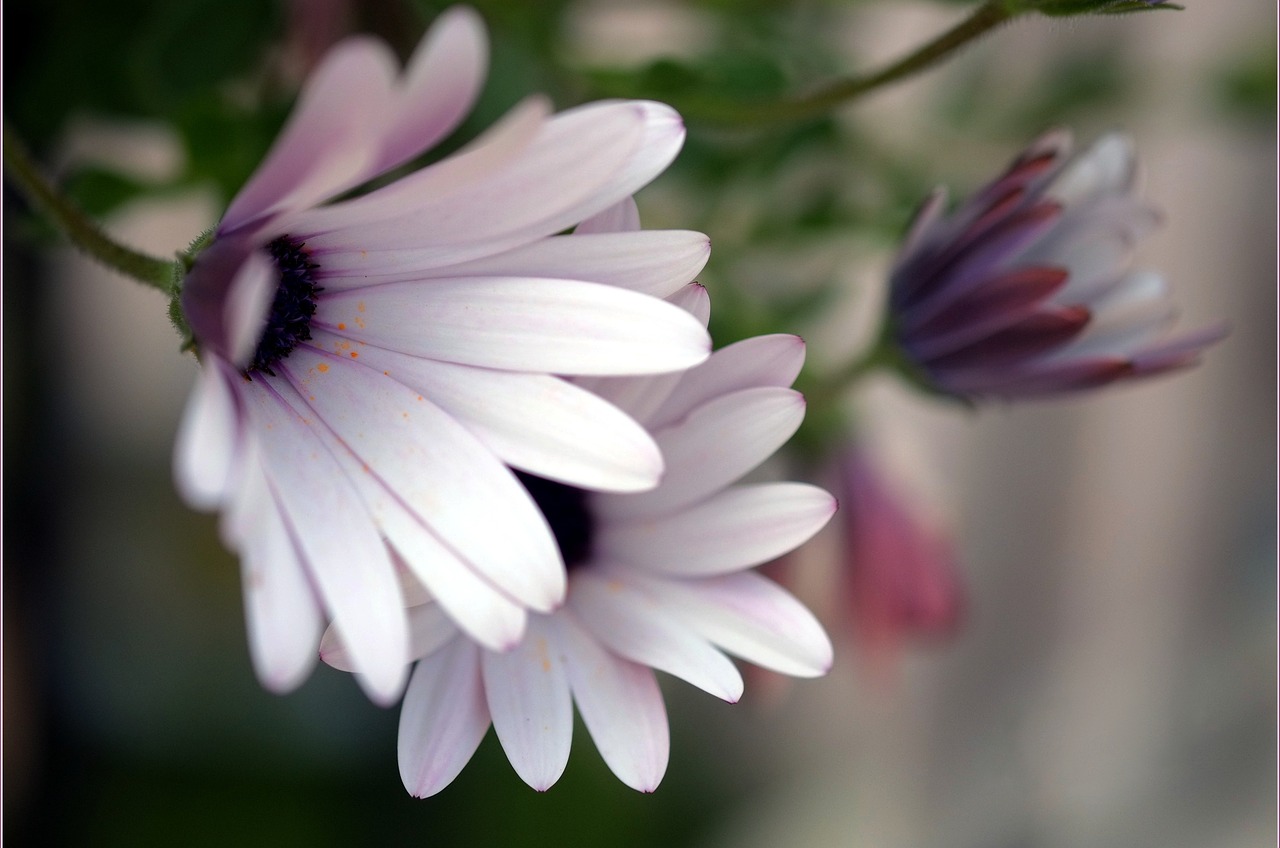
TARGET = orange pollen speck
x,y
355,355
342,326
322,367
386,373
360,306
360,323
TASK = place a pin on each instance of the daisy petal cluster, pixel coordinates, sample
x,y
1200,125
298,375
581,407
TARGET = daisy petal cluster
x,y
1025,289
374,365
659,580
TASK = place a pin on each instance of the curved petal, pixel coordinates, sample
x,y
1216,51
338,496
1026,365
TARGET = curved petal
x,y
248,304
330,141
534,422
554,326
621,706
733,530
654,262
773,360
282,614
712,447
207,439
440,85
537,194
336,539
437,470
628,622
491,152
528,695
443,719
621,217
429,631
748,616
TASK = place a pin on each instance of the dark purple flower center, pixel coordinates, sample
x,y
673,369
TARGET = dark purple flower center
x,y
289,321
565,508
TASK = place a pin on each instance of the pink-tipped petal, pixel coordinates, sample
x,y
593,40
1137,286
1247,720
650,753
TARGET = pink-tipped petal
x,y
735,529
621,706
528,695
749,616
554,326
634,625
443,719
712,447
760,361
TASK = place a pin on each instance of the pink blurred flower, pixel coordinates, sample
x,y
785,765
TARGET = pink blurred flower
x,y
371,366
1024,290
657,580
899,577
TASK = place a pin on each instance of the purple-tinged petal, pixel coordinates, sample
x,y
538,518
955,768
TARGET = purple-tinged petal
x,y
958,271
1177,352
494,151
731,531
336,539
1041,331
554,326
330,141
205,292
537,193
440,85
414,448
749,616
773,360
1108,167
208,438
621,706
443,719
535,422
632,625
712,447
1003,300
653,262
527,689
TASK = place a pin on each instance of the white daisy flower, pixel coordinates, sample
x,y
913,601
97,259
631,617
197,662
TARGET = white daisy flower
x,y
657,580
370,367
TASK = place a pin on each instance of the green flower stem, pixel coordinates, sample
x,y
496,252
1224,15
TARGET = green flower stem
x,y
83,232
986,17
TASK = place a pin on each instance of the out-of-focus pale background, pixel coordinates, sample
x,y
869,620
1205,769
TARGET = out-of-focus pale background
x,y
1115,681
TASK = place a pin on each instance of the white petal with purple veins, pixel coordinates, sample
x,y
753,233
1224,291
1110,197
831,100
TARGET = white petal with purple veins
x,y
207,438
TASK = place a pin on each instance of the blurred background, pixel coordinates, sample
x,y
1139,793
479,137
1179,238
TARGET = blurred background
x,y
1112,678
